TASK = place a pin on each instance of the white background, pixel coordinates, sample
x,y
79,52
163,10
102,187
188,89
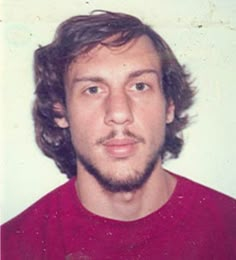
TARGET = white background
x,y
203,36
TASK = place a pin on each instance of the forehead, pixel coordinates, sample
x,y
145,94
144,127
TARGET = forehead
x,y
138,53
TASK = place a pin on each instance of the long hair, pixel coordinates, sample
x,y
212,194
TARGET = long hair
x,y
78,35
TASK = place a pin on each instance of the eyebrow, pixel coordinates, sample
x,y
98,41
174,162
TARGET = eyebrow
x,y
132,75
138,73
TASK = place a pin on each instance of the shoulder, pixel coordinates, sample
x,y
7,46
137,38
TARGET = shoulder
x,y
205,196
207,203
30,229
207,216
41,209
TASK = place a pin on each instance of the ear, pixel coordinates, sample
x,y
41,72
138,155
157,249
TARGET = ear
x,y
170,112
61,120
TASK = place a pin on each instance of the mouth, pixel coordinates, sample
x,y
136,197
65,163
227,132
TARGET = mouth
x,y
121,148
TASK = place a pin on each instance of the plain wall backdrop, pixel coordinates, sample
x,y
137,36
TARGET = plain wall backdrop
x,y
201,33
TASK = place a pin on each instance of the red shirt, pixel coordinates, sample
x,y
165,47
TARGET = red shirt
x,y
196,223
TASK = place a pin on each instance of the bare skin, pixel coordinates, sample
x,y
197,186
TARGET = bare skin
x,y
111,92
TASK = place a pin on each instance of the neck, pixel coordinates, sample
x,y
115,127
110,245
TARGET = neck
x,y
125,206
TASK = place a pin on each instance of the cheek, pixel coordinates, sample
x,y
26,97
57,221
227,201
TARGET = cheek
x,y
152,123
78,123
85,125
153,115
157,130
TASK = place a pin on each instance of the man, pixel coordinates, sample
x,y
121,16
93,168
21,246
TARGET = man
x,y
111,103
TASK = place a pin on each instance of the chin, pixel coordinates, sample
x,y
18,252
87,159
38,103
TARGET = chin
x,y
116,181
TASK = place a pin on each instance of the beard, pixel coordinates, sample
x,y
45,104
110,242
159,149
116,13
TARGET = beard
x,y
131,183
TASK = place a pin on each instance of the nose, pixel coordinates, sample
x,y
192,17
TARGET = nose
x,y
118,109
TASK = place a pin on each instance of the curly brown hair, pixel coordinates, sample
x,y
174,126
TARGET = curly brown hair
x,y
78,35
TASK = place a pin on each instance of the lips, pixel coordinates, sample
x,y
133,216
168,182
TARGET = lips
x,y
121,148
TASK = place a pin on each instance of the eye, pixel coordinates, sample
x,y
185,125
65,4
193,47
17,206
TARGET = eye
x,y
140,86
93,90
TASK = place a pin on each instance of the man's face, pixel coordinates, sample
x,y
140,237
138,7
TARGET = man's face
x,y
117,113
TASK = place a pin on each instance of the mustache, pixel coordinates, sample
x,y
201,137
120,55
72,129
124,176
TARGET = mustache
x,y
125,133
